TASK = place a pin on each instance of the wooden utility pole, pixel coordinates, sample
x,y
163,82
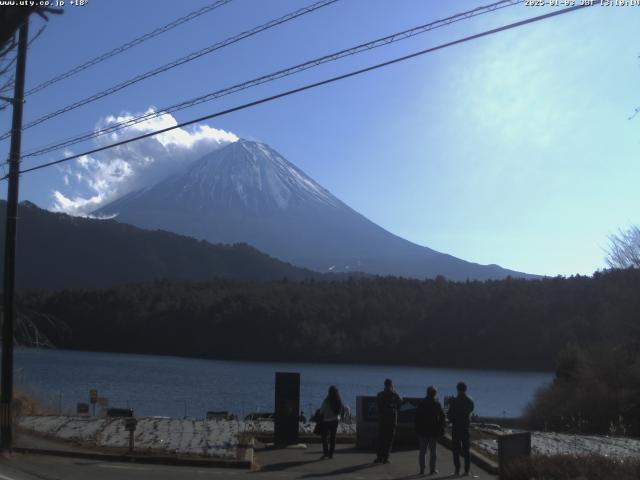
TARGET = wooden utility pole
x,y
8,317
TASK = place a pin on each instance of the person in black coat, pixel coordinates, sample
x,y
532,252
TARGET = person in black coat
x,y
429,425
388,403
460,409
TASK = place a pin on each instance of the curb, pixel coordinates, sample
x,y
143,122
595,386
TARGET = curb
x,y
242,463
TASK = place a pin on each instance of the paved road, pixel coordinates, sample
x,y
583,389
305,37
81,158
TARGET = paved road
x,y
280,464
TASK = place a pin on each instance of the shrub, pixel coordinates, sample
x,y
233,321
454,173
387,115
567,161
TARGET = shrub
x,y
592,393
23,404
566,467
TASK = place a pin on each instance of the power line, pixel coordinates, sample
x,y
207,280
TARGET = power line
x,y
188,58
278,75
128,45
314,85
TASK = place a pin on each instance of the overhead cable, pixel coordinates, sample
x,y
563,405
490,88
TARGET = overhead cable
x,y
127,46
313,85
396,37
188,58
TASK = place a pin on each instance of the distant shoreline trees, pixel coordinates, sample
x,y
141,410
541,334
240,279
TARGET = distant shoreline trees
x,y
507,324
586,328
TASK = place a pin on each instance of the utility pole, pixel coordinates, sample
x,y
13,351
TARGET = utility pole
x,y
8,290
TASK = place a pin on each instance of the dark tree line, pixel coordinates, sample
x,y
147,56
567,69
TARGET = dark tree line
x,y
506,324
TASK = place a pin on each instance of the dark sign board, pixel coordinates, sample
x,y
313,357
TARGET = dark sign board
x,y
83,408
367,423
119,412
287,408
211,415
407,412
130,424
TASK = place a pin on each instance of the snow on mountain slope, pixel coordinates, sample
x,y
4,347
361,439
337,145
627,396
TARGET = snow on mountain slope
x,y
253,175
248,192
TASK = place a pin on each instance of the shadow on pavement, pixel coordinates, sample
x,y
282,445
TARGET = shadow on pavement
x,y
409,477
427,477
278,467
339,471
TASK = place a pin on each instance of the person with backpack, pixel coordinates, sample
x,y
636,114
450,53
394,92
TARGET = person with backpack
x,y
459,413
388,402
429,425
330,414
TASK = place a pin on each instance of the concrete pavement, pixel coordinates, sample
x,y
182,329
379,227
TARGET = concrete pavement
x,y
349,463
280,464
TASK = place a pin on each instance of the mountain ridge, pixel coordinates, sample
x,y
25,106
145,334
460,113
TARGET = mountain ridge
x,y
56,250
248,192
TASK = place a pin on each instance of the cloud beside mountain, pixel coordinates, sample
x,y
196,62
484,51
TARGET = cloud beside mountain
x,y
95,180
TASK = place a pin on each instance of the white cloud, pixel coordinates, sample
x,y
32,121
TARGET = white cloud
x,y
93,181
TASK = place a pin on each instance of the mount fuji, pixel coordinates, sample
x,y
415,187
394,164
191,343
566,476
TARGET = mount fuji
x,y
248,192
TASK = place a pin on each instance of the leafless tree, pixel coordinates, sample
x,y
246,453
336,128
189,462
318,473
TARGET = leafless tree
x,y
30,325
624,248
10,21
11,18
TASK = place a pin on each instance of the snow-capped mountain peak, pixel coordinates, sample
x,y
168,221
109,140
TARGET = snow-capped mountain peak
x,y
248,192
254,175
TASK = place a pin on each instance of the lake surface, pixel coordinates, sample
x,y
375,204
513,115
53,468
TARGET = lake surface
x,y
172,386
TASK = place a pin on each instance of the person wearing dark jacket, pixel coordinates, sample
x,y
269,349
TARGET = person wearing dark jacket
x,y
429,425
388,403
460,409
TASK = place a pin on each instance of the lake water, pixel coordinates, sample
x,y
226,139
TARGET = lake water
x,y
172,386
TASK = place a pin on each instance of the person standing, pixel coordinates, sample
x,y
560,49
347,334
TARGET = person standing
x,y
331,411
388,403
429,425
460,409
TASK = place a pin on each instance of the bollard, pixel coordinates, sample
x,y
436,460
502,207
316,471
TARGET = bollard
x,y
512,447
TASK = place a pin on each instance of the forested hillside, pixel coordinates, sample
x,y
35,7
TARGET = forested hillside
x,y
506,324
59,251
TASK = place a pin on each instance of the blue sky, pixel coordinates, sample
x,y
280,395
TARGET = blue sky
x,y
515,149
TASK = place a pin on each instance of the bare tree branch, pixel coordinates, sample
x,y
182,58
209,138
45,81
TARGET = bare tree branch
x,y
29,325
624,248
10,45
6,65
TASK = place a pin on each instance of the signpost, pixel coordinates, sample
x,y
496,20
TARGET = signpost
x,y
130,426
93,398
